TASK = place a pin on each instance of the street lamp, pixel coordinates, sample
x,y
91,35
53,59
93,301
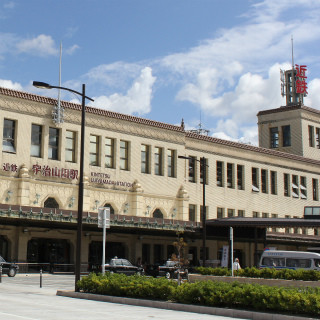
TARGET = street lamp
x,y
204,230
43,85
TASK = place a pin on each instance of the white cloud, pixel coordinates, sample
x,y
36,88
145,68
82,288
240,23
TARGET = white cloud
x,y
313,98
72,49
41,45
10,85
137,99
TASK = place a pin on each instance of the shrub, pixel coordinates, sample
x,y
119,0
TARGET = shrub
x,y
266,273
208,293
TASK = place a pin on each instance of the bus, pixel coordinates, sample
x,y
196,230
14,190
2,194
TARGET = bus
x,y
290,260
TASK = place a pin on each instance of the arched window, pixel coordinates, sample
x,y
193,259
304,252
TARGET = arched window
x,y
51,203
108,205
157,214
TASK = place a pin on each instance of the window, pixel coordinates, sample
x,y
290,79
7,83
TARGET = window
x,y
264,181
192,212
8,143
157,214
36,140
265,215
318,138
315,189
51,203
255,179
145,156
109,153
255,214
286,184
220,174
295,186
311,136
124,155
220,213
241,213
230,175
286,136
274,137
192,169
230,213
240,177
171,162
206,167
158,154
303,187
273,182
53,143
94,150
70,151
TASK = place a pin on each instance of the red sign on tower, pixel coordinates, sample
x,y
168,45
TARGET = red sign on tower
x,y
301,83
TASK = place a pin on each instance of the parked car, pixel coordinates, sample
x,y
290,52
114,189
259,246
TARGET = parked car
x,y
118,265
8,268
172,269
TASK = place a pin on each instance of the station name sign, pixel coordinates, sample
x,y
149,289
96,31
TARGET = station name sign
x,y
104,178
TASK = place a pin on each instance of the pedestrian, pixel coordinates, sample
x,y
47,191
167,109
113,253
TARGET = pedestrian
x,y
236,264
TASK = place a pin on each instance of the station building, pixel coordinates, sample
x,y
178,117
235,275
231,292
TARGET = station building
x,y
132,166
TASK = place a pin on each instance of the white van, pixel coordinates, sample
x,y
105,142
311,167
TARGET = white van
x,y
290,260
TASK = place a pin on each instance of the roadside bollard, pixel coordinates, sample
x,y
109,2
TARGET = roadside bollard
x,y
0,273
40,278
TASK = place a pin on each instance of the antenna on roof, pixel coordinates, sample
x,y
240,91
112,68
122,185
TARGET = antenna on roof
x,y
201,131
292,52
57,113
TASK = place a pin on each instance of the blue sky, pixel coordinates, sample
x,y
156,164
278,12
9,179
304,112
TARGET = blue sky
x,y
165,59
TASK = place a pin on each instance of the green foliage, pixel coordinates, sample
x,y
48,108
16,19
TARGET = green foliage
x,y
208,293
266,273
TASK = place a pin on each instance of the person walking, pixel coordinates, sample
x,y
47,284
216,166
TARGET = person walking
x,y
236,264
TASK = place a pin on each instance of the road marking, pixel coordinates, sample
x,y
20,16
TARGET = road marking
x,y
21,317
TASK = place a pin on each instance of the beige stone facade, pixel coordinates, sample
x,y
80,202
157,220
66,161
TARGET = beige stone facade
x,y
242,180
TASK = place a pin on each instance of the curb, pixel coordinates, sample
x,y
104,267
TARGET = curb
x,y
240,314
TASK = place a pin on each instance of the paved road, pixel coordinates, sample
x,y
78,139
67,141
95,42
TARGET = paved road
x,y
21,298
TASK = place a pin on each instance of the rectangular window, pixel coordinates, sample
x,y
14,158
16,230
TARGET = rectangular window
x,y
286,136
273,182
220,213
303,187
295,186
94,150
240,177
318,138
265,215
158,156
264,181
53,151
36,140
192,169
109,153
230,213
315,189
274,137
171,162
274,216
230,175
255,214
206,167
70,150
286,184
124,155
255,179
192,212
8,143
145,156
241,213
311,136
220,174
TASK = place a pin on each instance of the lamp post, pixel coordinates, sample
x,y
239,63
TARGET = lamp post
x,y
202,161
43,85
